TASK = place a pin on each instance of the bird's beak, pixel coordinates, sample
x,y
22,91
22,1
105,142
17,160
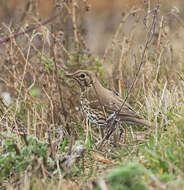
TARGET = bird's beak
x,y
69,75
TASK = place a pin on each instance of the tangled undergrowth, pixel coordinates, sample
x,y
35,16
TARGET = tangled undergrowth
x,y
45,142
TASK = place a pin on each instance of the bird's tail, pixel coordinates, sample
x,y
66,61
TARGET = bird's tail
x,y
138,121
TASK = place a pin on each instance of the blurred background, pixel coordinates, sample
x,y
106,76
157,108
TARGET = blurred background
x,y
96,19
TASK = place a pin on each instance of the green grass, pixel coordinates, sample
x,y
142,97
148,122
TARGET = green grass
x,y
45,142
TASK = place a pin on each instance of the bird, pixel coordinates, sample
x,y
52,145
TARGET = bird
x,y
99,103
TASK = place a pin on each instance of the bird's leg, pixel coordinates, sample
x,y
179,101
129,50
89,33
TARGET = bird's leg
x,y
101,132
116,138
113,122
111,125
108,134
118,134
121,132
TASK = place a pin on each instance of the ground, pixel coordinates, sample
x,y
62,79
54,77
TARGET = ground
x,y
45,141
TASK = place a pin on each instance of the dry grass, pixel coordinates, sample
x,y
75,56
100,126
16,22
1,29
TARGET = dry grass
x,y
44,142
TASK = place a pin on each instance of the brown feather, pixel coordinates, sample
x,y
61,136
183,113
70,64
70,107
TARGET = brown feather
x,y
104,101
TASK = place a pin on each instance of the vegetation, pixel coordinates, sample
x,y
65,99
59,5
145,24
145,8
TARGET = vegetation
x,y
45,142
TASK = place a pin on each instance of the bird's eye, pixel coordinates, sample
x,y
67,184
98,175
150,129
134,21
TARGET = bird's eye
x,y
82,76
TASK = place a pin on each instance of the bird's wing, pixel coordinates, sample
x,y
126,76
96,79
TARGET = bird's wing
x,y
109,102
126,110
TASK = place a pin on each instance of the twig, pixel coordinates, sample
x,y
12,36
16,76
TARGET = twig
x,y
149,38
112,121
29,29
57,80
117,33
75,30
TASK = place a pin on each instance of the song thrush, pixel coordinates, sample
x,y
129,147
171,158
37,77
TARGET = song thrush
x,y
98,103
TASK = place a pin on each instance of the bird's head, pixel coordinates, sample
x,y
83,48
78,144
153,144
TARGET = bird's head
x,y
84,78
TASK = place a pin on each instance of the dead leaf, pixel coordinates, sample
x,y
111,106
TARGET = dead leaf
x,y
100,158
